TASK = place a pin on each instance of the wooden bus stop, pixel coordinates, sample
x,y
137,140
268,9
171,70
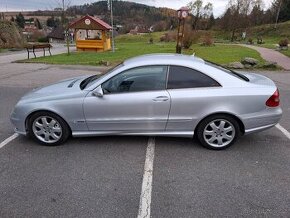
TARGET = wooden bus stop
x,y
91,34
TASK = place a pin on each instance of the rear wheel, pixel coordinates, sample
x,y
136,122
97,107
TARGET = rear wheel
x,y
48,129
218,132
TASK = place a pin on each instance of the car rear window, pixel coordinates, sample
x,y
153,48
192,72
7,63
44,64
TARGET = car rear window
x,y
184,77
228,71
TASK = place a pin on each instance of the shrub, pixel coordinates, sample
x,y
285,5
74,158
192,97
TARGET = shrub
x,y
250,41
43,39
190,37
207,40
168,37
260,40
284,42
187,40
35,35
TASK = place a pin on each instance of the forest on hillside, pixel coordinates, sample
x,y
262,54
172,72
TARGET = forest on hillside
x,y
238,14
129,14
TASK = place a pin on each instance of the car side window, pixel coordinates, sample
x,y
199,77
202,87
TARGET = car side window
x,y
184,77
139,79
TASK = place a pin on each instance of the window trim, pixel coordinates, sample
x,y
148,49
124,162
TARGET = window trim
x,y
158,65
169,66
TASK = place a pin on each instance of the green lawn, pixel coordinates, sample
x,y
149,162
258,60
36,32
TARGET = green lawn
x,y
224,54
3,50
130,46
287,52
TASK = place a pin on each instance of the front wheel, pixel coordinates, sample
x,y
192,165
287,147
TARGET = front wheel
x,y
218,132
48,128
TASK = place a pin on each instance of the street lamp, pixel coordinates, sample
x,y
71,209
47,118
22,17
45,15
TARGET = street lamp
x,y
182,13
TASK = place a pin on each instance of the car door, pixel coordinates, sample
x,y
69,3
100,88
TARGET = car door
x,y
134,100
192,94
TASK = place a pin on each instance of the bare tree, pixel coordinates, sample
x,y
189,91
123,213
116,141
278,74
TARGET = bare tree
x,y
196,9
237,15
200,12
64,5
207,10
278,4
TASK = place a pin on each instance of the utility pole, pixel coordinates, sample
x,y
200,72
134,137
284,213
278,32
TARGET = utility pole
x,y
278,13
112,24
65,26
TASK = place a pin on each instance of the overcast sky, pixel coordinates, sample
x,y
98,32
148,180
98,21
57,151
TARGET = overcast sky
x,y
24,5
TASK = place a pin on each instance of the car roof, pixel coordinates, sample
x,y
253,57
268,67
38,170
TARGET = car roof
x,y
168,58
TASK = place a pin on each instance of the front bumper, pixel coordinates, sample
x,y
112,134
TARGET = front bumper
x,y
19,124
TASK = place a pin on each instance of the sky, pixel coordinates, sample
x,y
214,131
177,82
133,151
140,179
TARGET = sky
x,y
25,5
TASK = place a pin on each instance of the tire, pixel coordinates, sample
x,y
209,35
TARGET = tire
x,y
218,132
48,129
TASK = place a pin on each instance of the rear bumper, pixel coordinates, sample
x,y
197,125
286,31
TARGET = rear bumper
x,y
262,121
258,129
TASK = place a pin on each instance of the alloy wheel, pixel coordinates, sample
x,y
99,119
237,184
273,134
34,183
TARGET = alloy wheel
x,y
219,133
47,129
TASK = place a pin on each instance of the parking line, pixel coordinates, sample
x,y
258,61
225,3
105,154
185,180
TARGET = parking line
x,y
145,197
11,138
283,130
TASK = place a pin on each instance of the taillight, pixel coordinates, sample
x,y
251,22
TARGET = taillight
x,y
274,100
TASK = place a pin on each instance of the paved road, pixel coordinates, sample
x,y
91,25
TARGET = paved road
x,y
272,56
21,55
102,176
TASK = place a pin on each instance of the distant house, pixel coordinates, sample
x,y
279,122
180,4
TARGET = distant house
x,y
31,32
57,35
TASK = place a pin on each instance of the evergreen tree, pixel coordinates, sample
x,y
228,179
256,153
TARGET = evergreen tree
x,y
285,11
53,22
38,24
20,20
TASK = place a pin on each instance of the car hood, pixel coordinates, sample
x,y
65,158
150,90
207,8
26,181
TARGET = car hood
x,y
61,88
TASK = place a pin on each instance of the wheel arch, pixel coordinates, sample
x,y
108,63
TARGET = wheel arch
x,y
43,111
241,124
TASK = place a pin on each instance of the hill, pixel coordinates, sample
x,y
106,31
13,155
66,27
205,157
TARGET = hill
x,y
129,14
269,30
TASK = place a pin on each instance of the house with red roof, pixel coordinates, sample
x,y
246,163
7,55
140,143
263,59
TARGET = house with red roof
x,y
91,34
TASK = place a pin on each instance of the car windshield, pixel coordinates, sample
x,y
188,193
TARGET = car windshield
x,y
89,81
229,71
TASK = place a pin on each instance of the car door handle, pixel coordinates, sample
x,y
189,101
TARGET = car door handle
x,y
161,98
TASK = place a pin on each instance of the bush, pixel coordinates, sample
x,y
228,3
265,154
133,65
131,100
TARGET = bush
x,y
250,41
207,40
168,37
35,35
260,40
284,43
190,37
43,39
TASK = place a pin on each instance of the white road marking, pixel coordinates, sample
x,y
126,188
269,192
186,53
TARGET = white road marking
x,y
145,197
11,138
283,130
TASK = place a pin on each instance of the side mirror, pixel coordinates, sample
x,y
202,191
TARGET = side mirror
x,y
98,92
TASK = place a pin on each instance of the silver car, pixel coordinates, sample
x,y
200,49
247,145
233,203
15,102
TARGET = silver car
x,y
152,95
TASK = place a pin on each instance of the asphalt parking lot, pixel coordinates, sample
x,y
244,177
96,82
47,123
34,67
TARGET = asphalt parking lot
x,y
102,176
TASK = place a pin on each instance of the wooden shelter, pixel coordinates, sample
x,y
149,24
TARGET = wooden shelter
x,y
91,34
